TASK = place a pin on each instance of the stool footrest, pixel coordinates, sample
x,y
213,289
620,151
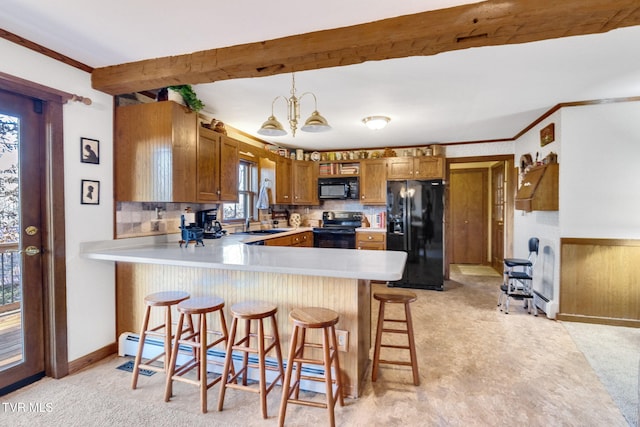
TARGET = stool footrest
x,y
151,367
309,403
395,362
395,331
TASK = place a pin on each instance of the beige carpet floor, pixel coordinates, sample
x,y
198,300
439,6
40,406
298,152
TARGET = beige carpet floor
x,y
478,367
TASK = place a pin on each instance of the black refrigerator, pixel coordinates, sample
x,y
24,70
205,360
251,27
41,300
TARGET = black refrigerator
x,y
415,225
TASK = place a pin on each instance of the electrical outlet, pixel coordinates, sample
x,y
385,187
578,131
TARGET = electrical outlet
x,y
343,340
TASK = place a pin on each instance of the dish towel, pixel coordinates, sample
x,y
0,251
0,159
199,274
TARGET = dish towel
x,y
263,196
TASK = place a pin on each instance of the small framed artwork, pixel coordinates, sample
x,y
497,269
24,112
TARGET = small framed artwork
x,y
547,135
90,192
90,151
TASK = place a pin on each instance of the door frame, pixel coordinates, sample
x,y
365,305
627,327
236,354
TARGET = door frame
x,y
510,188
53,224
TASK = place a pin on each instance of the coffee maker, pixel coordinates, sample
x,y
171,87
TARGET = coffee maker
x,y
207,220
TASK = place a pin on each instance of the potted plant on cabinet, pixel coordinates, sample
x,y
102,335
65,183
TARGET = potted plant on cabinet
x,y
188,96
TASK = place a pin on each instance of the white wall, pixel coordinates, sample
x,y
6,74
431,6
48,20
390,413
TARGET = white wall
x,y
599,180
90,284
599,186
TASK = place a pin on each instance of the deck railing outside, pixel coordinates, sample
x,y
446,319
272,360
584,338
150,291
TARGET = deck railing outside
x,y
10,272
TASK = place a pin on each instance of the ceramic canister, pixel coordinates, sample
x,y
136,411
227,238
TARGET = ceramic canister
x,y
294,220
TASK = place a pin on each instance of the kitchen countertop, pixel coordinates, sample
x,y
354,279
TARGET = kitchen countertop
x,y
372,230
232,253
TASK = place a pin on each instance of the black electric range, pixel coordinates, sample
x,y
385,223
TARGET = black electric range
x,y
338,230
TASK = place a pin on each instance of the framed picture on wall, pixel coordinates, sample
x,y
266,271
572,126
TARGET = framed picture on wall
x,y
90,151
90,192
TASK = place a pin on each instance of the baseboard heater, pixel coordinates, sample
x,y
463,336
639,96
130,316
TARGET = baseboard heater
x,y
541,301
128,346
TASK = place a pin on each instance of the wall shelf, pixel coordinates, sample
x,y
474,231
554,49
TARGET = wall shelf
x,y
539,189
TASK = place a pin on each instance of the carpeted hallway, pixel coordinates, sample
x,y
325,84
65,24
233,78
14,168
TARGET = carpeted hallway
x,y
478,367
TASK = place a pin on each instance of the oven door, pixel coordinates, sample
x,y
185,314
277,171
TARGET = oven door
x,y
328,238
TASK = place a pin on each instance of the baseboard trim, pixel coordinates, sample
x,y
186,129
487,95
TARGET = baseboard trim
x,y
631,323
91,358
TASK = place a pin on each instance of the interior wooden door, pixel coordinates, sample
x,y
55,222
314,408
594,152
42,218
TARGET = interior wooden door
x,y
468,213
497,215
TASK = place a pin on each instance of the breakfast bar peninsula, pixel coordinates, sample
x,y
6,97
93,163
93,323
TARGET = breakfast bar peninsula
x,y
288,277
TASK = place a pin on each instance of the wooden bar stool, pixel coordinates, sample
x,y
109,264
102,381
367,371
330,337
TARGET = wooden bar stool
x,y
252,311
313,318
197,339
164,331
395,298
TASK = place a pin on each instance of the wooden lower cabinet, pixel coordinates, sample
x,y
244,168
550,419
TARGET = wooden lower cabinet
x,y
303,239
371,240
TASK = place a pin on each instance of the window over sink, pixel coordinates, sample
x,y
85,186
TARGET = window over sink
x,y
247,193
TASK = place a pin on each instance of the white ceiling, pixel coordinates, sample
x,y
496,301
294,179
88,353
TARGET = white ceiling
x,y
469,95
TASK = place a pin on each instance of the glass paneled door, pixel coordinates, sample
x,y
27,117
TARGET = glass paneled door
x,y
21,291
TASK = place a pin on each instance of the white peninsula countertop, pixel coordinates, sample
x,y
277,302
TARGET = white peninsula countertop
x,y
232,253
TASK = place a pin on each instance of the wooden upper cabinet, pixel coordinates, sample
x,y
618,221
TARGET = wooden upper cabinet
x,y
217,167
373,182
304,181
155,153
425,167
428,167
283,181
400,168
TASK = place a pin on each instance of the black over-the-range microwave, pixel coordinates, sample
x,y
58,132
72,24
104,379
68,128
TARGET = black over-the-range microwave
x,y
338,188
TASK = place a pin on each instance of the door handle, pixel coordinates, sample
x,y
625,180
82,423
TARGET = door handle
x,y
30,251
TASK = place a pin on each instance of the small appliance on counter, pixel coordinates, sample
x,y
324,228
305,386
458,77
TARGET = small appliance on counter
x,y
208,221
190,233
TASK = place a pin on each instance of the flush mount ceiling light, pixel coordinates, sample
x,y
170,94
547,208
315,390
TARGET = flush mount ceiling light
x,y
376,122
315,122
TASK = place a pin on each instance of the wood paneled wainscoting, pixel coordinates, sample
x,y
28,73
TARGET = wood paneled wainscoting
x,y
600,281
351,298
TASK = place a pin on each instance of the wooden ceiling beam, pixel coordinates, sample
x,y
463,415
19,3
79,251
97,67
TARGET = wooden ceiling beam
x,y
488,23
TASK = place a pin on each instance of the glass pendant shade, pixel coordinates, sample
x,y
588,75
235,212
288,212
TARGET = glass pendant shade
x,y
272,127
316,123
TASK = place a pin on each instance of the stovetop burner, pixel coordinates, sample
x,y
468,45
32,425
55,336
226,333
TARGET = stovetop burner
x,y
340,221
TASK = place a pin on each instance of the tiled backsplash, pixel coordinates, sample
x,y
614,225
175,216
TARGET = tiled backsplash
x,y
137,219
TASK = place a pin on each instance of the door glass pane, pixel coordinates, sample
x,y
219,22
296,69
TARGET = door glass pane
x,y
11,325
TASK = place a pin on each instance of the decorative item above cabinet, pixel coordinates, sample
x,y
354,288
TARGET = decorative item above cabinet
x,y
539,189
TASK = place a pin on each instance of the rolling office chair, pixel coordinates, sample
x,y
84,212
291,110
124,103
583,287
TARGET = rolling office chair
x,y
518,279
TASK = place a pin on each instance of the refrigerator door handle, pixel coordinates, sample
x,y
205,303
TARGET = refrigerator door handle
x,y
407,221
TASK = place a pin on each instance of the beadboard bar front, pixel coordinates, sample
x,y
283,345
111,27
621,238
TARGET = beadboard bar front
x,y
349,297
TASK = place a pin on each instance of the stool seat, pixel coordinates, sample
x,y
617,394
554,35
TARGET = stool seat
x,y
161,299
404,298
197,340
252,312
313,318
201,305
166,300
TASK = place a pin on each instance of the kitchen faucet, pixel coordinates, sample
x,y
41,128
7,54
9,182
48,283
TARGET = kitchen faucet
x,y
247,224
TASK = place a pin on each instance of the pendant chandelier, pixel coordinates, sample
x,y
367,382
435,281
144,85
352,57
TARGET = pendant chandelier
x,y
315,122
